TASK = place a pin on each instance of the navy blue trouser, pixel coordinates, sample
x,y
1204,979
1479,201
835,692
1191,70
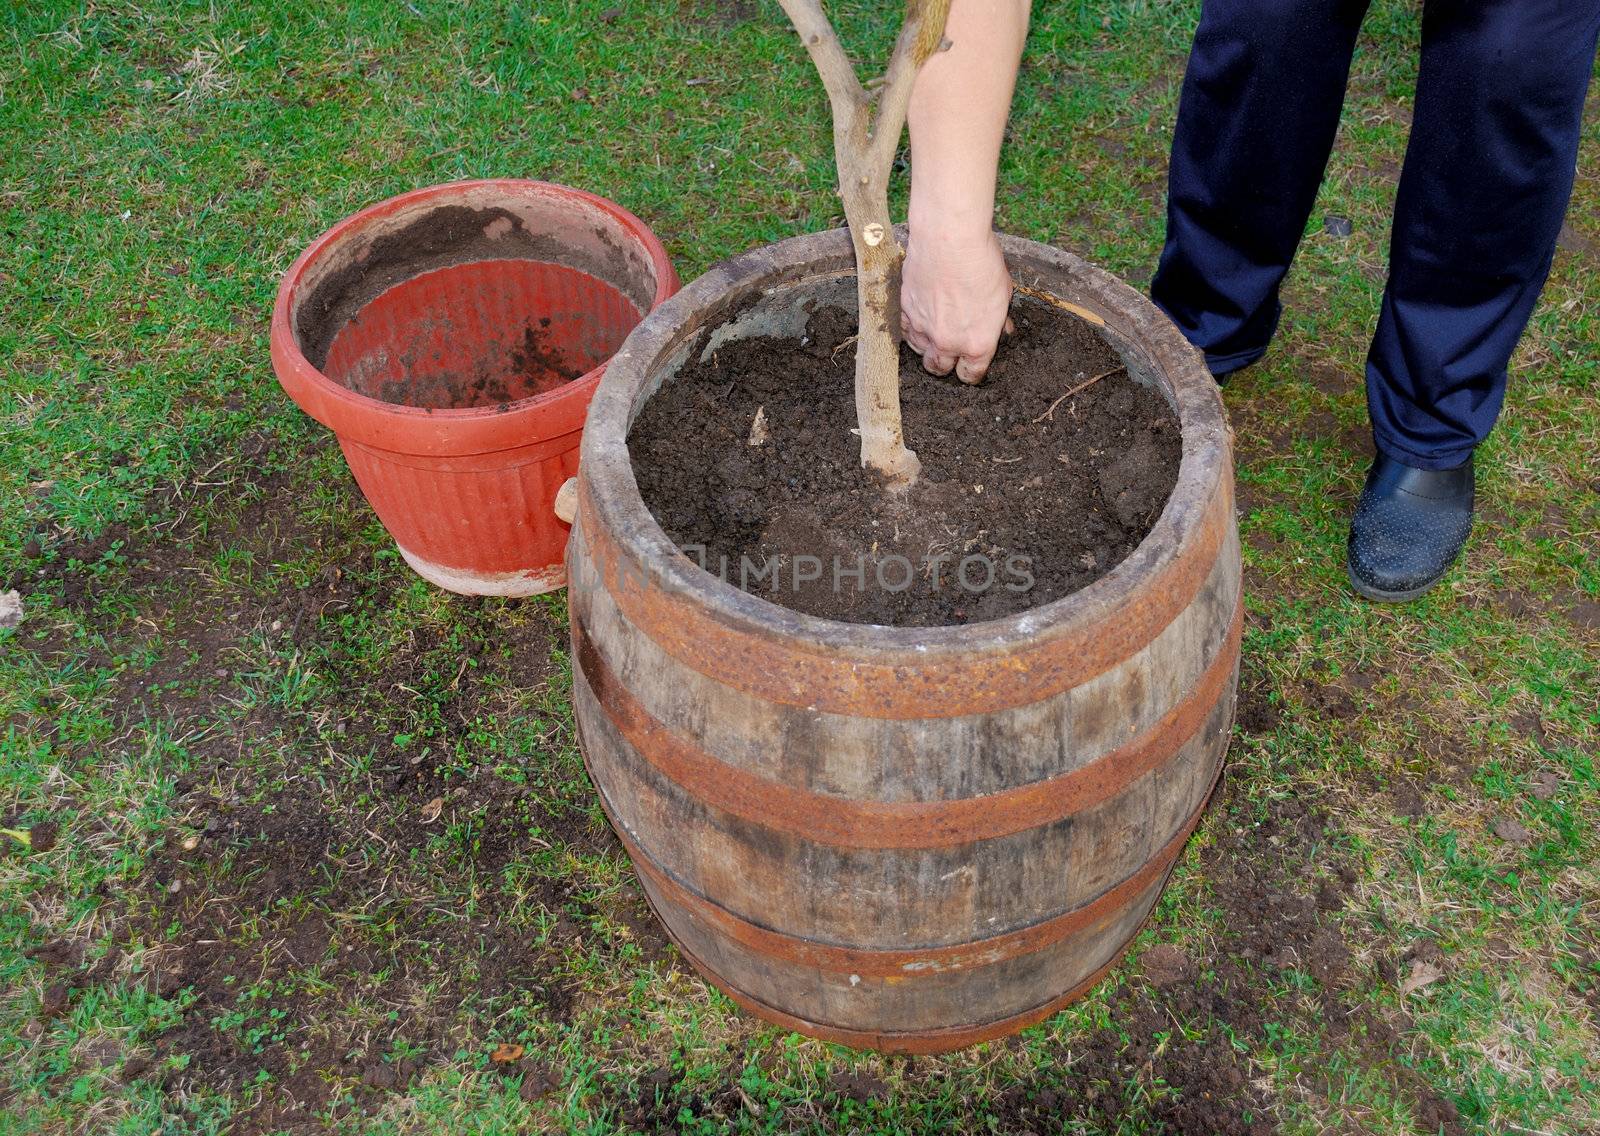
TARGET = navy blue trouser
x,y
1488,174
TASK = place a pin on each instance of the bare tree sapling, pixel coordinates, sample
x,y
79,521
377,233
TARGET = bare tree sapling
x,y
867,123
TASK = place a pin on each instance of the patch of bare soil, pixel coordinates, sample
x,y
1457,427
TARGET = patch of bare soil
x,y
725,13
1260,706
311,879
296,932
1263,435
250,515
1281,884
1572,241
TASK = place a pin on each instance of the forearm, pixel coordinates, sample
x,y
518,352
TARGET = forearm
x,y
958,118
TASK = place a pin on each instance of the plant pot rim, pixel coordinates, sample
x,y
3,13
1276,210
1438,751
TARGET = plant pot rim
x,y
610,502
444,431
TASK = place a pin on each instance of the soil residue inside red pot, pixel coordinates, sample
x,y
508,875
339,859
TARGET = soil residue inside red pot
x,y
1025,496
463,308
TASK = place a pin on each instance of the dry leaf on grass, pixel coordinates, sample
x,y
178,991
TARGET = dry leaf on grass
x,y
506,1052
749,1103
1423,974
10,608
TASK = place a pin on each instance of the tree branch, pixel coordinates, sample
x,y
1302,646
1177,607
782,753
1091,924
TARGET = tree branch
x,y
827,54
920,36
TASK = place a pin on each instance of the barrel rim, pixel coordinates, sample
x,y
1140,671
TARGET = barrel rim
x,y
610,498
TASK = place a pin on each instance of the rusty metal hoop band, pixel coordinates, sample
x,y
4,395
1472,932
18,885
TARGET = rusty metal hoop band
x,y
854,823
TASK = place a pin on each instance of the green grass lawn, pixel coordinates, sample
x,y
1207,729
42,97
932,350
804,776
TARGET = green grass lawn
x,y
295,842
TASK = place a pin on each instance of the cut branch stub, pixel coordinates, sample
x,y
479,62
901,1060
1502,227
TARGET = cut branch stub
x,y
864,145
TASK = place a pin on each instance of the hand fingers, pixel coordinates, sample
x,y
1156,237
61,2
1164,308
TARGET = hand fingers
x,y
933,360
941,359
971,370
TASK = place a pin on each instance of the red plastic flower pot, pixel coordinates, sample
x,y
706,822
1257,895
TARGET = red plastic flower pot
x,y
451,338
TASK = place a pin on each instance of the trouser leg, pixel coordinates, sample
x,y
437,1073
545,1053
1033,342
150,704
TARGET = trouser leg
x,y
1487,177
1256,121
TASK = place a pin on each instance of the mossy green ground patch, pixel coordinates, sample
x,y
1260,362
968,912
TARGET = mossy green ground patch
x,y
311,839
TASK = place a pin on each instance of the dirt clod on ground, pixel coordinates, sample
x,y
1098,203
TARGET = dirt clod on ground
x,y
1166,965
1511,831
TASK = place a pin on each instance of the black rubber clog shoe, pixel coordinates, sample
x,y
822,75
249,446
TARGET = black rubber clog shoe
x,y
1409,528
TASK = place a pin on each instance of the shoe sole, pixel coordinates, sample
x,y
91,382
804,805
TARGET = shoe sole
x,y
1381,596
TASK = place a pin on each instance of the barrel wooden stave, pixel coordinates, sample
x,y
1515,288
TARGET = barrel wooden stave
x,y
902,1008
873,758
895,896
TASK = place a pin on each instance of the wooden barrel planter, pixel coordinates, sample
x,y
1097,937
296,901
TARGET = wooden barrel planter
x,y
908,839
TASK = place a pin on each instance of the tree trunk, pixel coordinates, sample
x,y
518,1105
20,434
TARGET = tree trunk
x,y
865,194
864,145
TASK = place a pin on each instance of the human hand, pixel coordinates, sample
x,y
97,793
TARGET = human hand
x,y
953,302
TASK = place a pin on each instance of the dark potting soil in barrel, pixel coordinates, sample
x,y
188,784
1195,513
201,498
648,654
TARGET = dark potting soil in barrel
x,y
1025,496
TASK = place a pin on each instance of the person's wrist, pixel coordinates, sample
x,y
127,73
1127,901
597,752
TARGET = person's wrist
x,y
953,226
950,239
